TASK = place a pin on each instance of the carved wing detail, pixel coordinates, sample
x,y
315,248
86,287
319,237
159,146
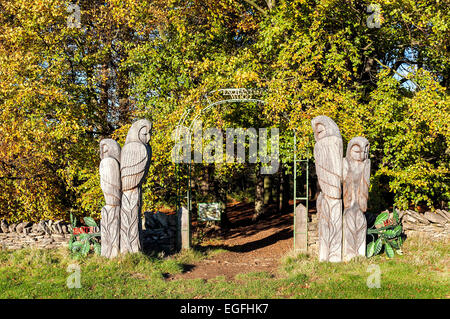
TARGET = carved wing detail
x,y
110,181
363,190
134,163
328,158
347,184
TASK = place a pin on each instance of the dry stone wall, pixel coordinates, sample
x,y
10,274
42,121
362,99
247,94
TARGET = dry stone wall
x,y
429,224
433,225
44,234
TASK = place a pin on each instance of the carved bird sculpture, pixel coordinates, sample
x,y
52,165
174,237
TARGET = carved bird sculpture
x,y
134,165
328,153
110,183
356,180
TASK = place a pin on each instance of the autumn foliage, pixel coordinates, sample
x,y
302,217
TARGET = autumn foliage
x,y
63,89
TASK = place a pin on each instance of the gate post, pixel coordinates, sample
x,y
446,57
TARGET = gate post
x,y
183,229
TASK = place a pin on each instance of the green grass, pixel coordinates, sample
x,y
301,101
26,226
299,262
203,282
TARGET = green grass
x,y
422,272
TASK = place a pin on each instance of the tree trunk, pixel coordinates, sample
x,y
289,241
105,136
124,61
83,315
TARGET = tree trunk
x,y
259,194
285,192
278,191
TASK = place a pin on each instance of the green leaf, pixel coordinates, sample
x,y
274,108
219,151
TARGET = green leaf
x,y
378,246
84,236
394,244
390,233
85,248
90,222
389,250
400,242
370,249
396,218
97,248
76,245
398,230
381,218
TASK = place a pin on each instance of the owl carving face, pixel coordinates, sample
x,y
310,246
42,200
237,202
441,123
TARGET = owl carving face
x,y
358,149
323,126
144,134
140,131
109,148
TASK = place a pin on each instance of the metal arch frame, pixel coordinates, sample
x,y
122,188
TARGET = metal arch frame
x,y
210,105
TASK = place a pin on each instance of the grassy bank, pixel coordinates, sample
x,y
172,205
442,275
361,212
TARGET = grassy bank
x,y
422,272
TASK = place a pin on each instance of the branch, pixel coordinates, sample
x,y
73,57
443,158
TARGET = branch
x,y
385,66
252,3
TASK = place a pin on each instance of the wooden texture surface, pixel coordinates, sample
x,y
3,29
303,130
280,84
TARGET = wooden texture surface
x,y
110,183
110,234
328,154
184,224
301,229
134,164
356,179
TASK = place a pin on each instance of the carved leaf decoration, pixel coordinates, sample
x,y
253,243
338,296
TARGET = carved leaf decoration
x,y
355,230
324,222
110,231
330,227
129,231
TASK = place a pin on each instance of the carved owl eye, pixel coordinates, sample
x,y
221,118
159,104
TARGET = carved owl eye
x,y
320,131
144,135
356,153
104,150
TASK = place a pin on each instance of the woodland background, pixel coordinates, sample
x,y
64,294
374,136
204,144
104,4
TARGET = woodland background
x,y
63,89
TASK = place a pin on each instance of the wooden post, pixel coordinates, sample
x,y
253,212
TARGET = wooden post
x,y
183,228
301,227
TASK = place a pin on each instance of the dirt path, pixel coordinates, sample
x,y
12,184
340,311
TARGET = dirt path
x,y
251,246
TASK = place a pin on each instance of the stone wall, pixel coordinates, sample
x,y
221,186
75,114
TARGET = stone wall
x,y
428,224
44,234
159,233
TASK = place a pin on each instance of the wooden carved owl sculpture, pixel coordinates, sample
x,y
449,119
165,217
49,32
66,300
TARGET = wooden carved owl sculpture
x,y
134,165
110,184
356,179
328,153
